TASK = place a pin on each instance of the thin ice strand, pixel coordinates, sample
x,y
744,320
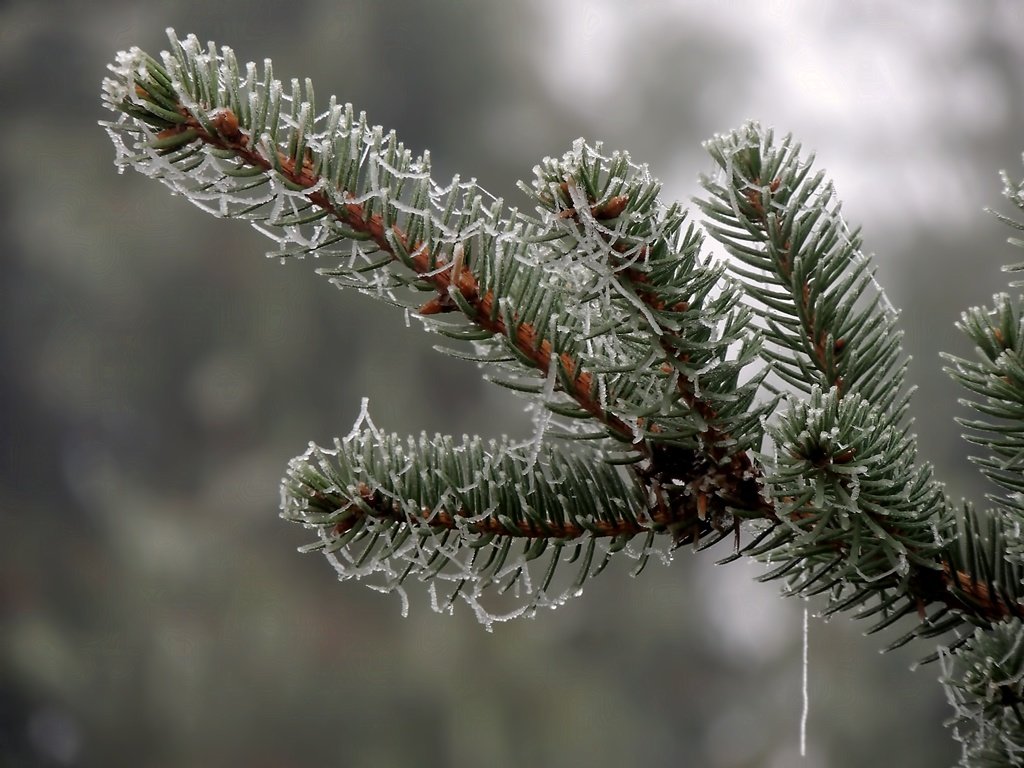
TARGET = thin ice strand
x,y
804,686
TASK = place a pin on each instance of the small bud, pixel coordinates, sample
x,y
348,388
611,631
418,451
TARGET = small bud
x,y
611,209
226,123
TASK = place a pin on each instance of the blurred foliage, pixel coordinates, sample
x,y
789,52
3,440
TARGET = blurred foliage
x,y
159,373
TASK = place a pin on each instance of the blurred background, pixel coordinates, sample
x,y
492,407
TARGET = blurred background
x,y
158,373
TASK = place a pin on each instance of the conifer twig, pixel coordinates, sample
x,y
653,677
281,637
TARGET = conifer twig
x,y
639,349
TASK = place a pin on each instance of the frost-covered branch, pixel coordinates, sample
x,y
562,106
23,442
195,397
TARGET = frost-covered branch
x,y
677,399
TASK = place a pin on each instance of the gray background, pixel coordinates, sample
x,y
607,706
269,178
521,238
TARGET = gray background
x,y
158,372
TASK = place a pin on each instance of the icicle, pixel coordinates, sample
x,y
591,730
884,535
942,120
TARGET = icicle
x,y
804,687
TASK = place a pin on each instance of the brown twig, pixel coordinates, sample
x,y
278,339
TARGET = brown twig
x,y
660,519
539,351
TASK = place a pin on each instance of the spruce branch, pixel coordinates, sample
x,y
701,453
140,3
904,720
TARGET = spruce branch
x,y
604,297
828,323
862,520
996,383
984,683
678,399
425,521
601,309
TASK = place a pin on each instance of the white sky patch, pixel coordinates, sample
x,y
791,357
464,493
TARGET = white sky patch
x,y
748,621
884,94
579,30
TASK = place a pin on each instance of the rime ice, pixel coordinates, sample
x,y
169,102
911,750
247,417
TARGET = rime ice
x,y
392,512
598,307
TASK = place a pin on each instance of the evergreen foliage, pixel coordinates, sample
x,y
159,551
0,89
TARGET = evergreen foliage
x,y
677,399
